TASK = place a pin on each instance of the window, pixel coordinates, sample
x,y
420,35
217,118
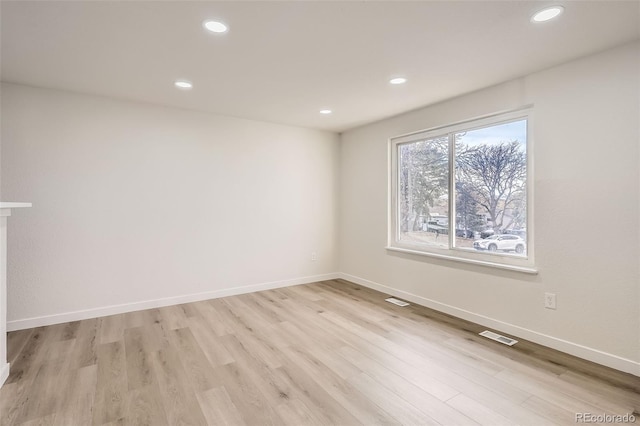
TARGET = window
x,y
463,192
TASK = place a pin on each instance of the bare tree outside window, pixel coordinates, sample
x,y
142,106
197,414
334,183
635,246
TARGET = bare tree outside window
x,y
423,185
491,177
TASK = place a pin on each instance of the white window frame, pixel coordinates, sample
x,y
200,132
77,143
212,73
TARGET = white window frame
x,y
503,261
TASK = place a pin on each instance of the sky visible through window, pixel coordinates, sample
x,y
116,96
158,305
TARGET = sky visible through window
x,y
508,132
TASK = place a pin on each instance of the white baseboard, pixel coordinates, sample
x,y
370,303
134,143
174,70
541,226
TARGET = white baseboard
x,y
580,351
4,373
22,324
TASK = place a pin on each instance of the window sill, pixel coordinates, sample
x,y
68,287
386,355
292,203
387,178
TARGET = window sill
x,y
516,268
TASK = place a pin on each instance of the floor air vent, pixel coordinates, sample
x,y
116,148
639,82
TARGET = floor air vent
x,y
498,338
397,301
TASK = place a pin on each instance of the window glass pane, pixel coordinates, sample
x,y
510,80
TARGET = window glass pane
x,y
490,184
423,192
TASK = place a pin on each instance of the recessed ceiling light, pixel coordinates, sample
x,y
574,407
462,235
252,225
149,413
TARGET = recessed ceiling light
x,y
183,84
398,80
325,111
215,26
547,14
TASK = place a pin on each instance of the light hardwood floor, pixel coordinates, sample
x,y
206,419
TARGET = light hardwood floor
x,y
322,354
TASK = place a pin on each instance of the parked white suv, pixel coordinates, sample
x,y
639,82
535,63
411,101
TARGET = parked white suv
x,y
503,242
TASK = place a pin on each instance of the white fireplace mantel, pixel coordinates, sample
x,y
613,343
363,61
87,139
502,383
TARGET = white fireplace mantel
x,y
5,211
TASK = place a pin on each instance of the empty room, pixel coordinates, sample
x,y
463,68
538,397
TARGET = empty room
x,y
320,213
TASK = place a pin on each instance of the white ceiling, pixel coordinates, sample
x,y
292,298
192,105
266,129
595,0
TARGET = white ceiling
x,y
284,61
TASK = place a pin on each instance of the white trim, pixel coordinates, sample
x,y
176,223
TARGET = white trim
x,y
4,373
575,349
525,269
13,205
482,120
22,324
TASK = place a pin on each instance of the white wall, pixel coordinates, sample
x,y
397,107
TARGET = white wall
x,y
135,203
586,139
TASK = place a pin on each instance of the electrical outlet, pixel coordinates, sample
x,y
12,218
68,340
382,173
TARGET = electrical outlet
x,y
314,256
550,300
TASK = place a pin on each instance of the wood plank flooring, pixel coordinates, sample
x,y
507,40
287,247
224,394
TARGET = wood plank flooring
x,y
329,353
